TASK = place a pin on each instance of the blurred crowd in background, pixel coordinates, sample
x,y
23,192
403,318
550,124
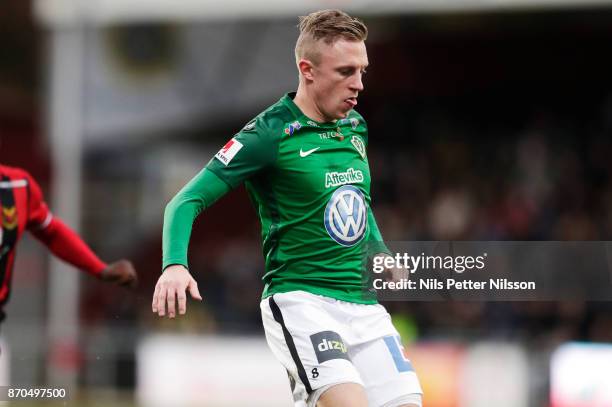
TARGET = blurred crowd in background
x,y
482,127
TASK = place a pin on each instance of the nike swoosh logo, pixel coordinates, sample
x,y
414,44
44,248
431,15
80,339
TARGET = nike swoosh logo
x,y
308,152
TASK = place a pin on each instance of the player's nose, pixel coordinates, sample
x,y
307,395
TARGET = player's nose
x,y
357,83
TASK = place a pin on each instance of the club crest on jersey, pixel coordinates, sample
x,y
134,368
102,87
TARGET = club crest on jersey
x,y
9,218
292,128
346,215
359,146
228,151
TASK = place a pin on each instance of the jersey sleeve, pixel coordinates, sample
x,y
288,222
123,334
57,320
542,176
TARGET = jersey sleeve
x,y
199,193
250,151
376,244
39,216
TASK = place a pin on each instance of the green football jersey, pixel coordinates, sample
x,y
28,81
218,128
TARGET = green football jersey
x,y
310,185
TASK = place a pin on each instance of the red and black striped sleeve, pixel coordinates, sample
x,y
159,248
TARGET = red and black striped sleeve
x,y
61,240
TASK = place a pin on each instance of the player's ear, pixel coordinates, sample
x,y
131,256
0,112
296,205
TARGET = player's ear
x,y
306,69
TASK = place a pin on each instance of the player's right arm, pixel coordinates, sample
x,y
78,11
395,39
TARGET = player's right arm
x,y
200,193
242,157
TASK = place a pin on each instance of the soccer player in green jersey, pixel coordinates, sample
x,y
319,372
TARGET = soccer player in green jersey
x,y
304,164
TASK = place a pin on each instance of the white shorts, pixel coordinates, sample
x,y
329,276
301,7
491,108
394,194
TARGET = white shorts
x,y
322,341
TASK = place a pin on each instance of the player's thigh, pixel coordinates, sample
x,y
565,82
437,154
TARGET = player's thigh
x,y
388,376
308,341
344,395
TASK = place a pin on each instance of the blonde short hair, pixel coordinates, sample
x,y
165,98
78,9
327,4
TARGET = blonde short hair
x,y
327,26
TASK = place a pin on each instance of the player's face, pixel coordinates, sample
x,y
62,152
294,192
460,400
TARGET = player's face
x,y
337,78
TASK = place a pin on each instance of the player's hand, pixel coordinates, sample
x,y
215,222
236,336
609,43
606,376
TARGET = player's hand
x,y
171,287
121,273
394,274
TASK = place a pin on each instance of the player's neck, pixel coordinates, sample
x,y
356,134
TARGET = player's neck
x,y
306,104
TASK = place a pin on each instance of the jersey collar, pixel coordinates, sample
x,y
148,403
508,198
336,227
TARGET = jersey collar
x,y
287,100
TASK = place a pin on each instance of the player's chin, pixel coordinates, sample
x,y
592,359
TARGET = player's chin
x,y
343,113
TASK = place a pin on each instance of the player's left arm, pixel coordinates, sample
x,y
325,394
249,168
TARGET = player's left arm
x,y
66,244
376,244
375,240
379,249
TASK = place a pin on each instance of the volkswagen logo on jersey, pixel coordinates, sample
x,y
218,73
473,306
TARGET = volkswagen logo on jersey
x,y
346,215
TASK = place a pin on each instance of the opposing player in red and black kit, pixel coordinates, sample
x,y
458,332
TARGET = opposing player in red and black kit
x,y
22,207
